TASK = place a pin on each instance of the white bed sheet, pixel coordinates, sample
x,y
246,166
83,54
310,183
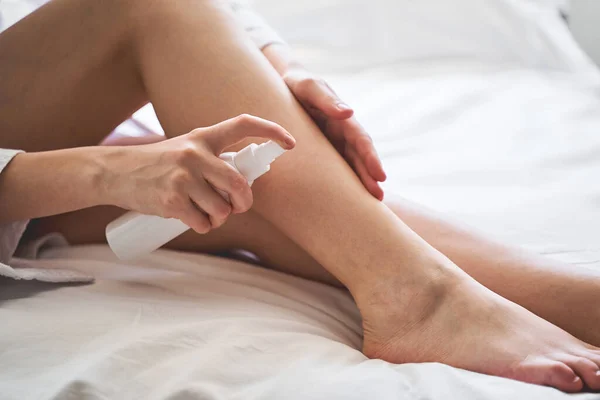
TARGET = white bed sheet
x,y
512,148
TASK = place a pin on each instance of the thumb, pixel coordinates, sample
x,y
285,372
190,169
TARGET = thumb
x,y
235,130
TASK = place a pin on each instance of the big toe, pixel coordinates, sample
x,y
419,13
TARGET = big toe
x,y
543,371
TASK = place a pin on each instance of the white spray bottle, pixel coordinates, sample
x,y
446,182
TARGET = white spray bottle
x,y
133,234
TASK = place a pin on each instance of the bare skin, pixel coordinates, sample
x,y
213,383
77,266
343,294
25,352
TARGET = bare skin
x,y
557,292
416,304
480,332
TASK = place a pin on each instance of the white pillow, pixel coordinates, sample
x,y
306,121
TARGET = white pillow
x,y
561,5
12,11
358,33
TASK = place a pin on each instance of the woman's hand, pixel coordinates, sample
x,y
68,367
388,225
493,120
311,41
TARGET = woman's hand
x,y
179,177
334,117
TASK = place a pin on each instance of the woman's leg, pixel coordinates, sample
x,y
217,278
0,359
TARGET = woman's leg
x,y
198,68
311,195
247,231
68,78
557,292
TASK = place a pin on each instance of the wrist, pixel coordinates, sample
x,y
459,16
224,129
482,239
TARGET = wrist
x,y
76,173
281,57
89,165
106,164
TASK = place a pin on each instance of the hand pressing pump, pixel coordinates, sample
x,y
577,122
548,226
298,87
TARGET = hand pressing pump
x,y
133,234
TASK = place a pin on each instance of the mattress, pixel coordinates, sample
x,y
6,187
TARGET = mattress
x,y
497,127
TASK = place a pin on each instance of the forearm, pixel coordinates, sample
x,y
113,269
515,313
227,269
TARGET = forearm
x,y
280,56
40,184
253,24
274,48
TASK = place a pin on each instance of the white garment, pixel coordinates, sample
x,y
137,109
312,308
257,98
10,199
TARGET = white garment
x,y
10,234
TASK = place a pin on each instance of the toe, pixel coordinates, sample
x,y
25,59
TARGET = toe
x,y
551,373
561,376
594,357
586,369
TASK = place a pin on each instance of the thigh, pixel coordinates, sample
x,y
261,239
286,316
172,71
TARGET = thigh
x,y
66,76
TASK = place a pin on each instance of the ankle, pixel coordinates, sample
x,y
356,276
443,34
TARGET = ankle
x,y
408,296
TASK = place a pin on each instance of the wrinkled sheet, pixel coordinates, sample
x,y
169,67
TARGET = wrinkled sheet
x,y
510,147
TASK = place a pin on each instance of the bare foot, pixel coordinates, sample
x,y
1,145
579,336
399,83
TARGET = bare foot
x,y
467,326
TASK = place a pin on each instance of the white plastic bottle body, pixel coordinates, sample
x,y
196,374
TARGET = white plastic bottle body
x,y
133,234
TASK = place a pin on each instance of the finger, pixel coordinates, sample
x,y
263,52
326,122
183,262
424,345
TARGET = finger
x,y
212,203
363,145
225,178
235,130
367,180
375,167
317,94
195,218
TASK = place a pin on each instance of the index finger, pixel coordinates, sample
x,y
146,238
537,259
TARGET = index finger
x,y
365,149
235,130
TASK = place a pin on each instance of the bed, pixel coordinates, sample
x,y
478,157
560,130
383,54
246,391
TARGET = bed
x,y
484,109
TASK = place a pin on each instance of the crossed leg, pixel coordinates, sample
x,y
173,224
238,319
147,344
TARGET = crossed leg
x,y
557,292
197,68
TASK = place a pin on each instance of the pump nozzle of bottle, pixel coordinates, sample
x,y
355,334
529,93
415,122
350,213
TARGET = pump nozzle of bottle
x,y
254,160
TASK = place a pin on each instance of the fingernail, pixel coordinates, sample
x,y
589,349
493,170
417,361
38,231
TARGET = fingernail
x,y
576,379
598,373
343,106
